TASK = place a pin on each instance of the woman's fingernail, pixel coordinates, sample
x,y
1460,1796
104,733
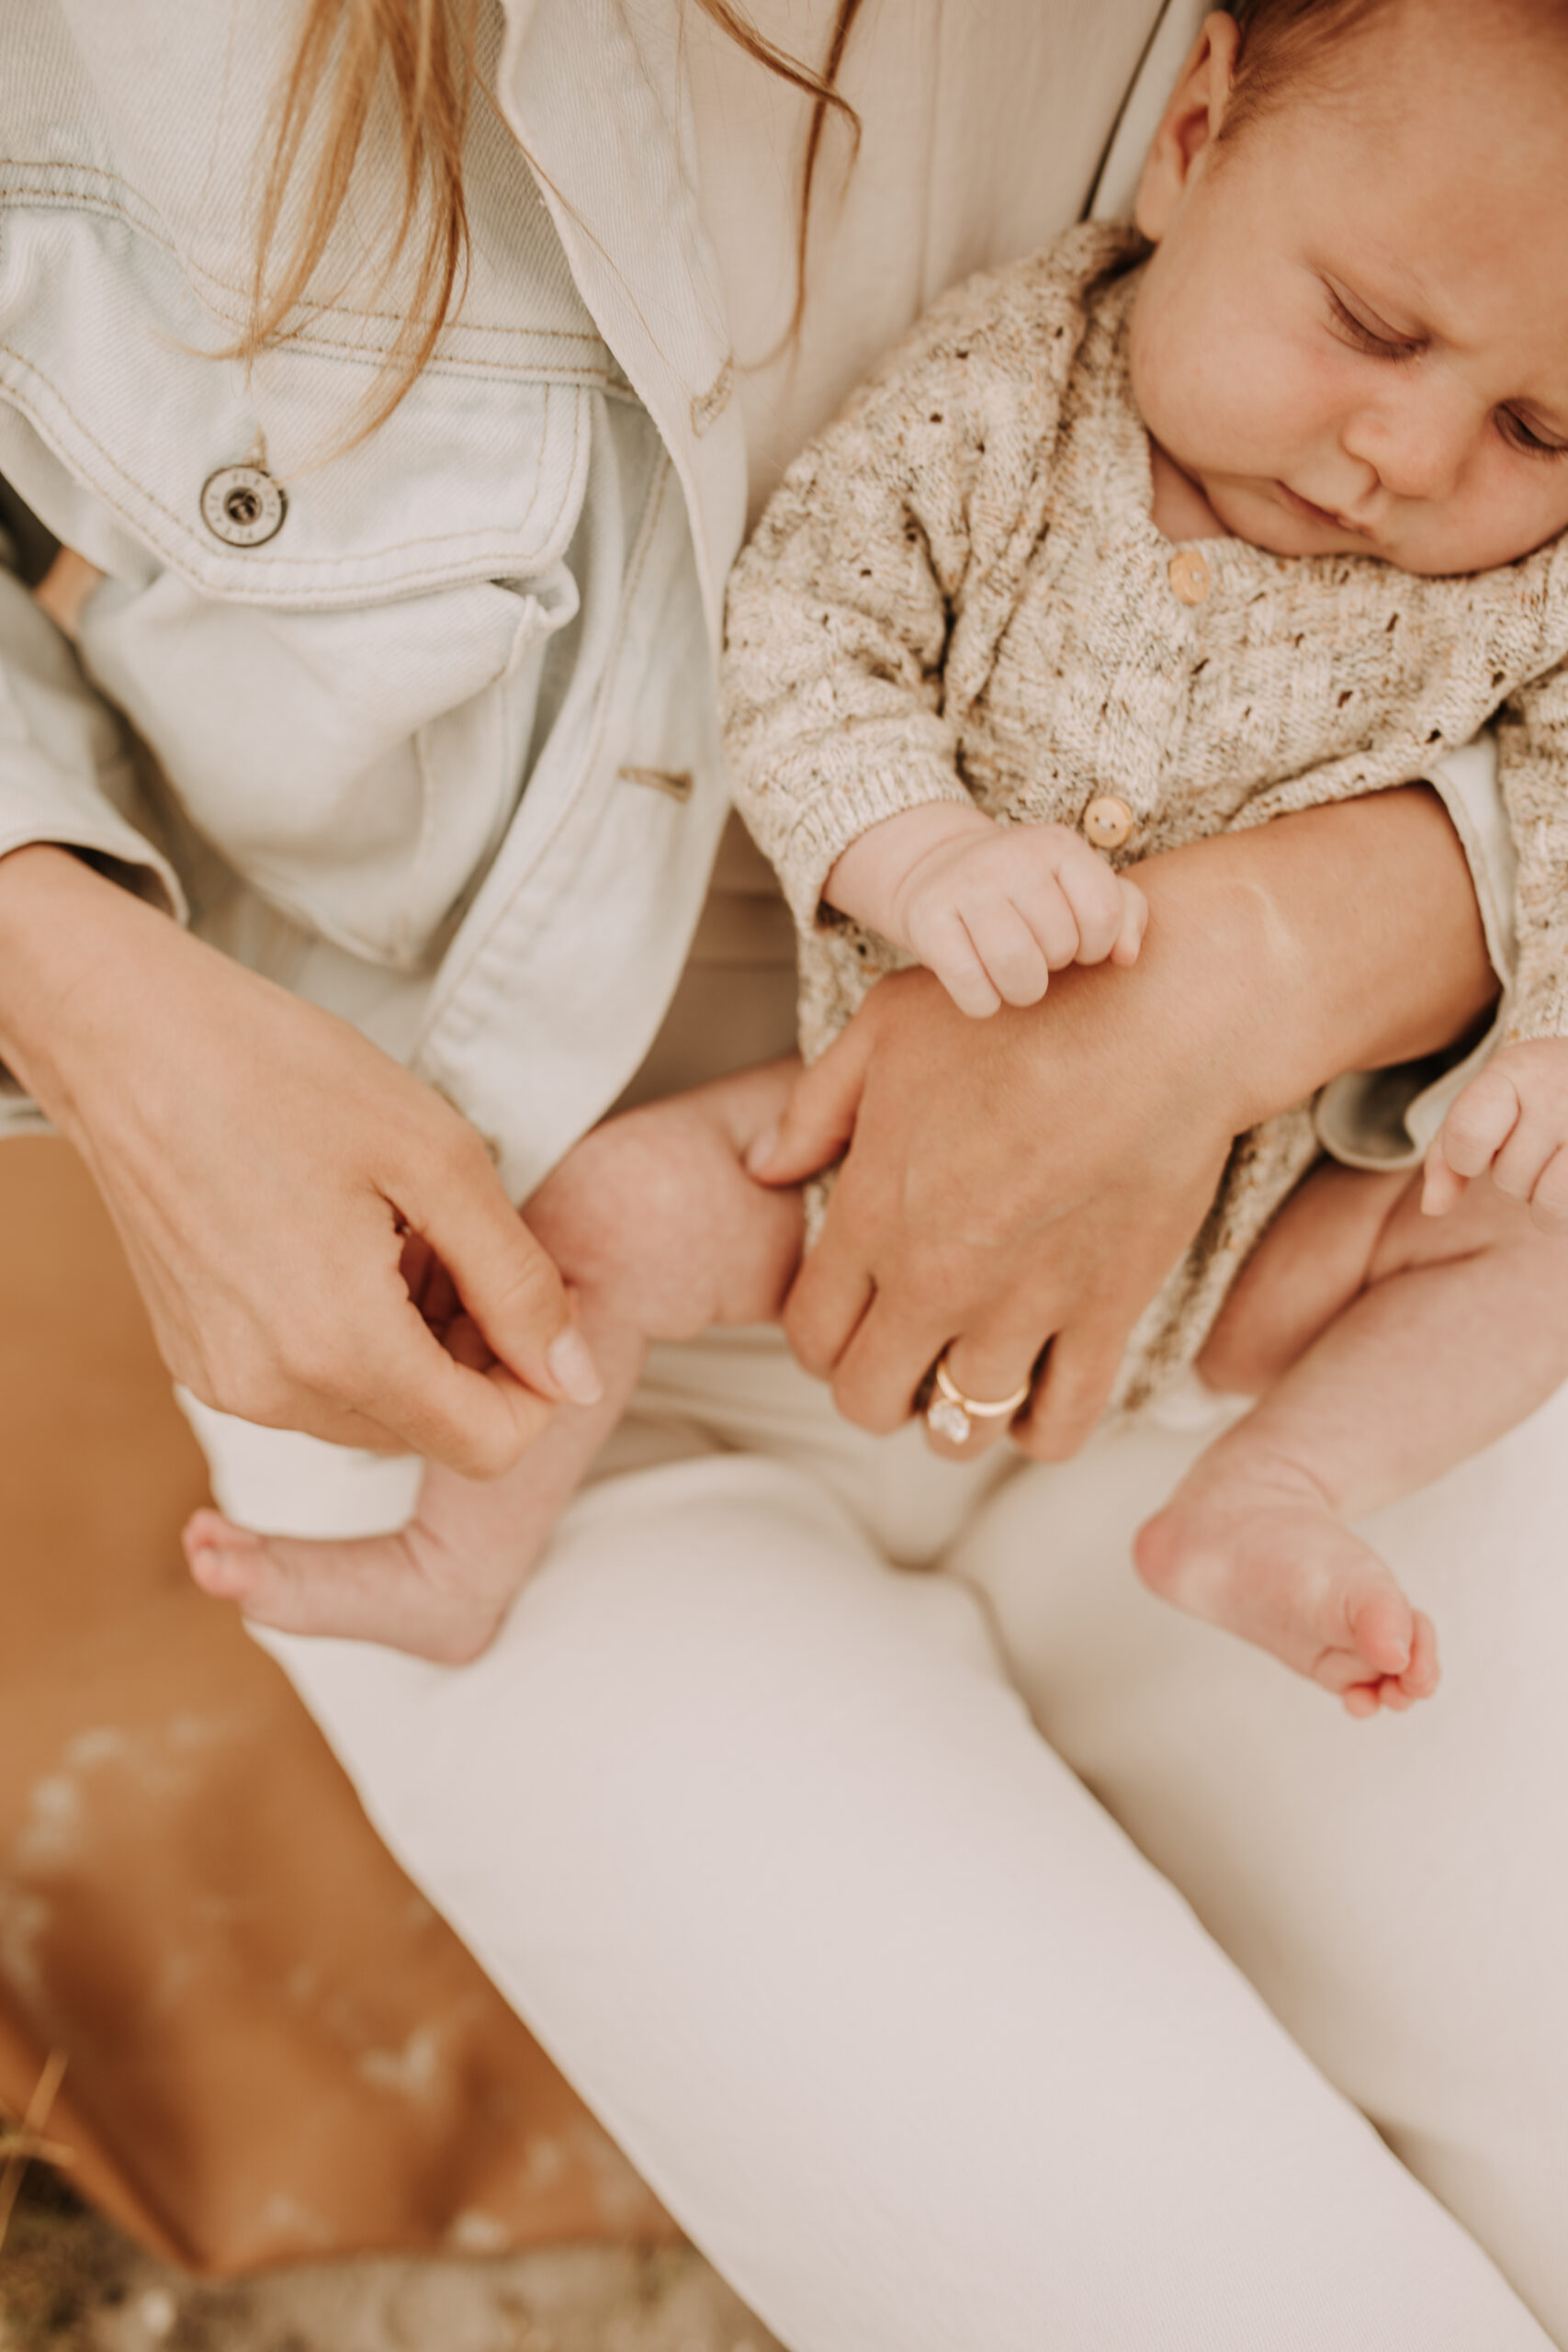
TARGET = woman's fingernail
x,y
572,1367
762,1150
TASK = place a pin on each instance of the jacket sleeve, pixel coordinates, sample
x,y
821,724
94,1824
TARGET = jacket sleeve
x,y
864,615
1532,768
67,771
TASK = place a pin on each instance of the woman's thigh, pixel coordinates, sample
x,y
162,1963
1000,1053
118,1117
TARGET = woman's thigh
x,y
1396,1888
756,1834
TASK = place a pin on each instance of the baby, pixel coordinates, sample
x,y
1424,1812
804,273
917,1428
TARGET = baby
x,y
1121,548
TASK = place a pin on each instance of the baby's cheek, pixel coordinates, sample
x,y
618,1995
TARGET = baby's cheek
x,y
1511,505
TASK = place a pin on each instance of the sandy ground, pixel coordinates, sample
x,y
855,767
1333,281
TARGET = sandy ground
x,y
70,2283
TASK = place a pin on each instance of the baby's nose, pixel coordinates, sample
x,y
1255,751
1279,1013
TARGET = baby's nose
x,y
1417,447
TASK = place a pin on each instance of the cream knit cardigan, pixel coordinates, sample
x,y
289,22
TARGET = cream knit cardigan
x,y
959,592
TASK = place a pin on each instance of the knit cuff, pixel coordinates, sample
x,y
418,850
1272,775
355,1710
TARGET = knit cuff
x,y
1539,1008
832,809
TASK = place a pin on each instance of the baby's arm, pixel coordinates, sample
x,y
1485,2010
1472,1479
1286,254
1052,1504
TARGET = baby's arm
x,y
862,618
659,1231
1512,1121
992,909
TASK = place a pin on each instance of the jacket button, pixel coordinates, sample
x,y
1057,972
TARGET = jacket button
x,y
243,506
1106,823
1188,575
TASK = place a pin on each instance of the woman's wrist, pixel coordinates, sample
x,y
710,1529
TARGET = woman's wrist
x,y
1343,938
55,917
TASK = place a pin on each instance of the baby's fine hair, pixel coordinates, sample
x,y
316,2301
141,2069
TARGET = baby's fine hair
x,y
1283,38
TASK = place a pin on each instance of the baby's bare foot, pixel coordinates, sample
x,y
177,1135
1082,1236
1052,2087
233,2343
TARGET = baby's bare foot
x,y
1254,1545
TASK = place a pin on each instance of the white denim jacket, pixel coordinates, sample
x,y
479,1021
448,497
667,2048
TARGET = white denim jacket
x,y
514,583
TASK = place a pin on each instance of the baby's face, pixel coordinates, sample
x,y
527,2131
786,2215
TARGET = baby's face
x,y
1353,332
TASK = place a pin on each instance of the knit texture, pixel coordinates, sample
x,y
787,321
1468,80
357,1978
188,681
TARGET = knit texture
x,y
959,592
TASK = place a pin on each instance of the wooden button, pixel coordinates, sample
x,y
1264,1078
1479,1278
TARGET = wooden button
x,y
1190,575
1106,823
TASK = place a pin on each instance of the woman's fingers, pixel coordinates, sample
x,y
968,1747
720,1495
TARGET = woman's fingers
x,y
477,1422
987,1370
1072,1391
508,1284
819,1118
828,1303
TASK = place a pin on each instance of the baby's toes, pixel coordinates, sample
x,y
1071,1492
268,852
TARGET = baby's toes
x,y
1363,1694
1363,1623
1421,1677
1350,1678
1380,1623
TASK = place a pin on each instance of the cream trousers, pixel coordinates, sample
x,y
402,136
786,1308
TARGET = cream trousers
x,y
975,1955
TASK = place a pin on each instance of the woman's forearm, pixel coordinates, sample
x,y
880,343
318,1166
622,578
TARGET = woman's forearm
x,y
1343,938
1035,1176
59,923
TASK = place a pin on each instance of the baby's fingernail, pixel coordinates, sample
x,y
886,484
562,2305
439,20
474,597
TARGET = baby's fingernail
x,y
572,1367
762,1150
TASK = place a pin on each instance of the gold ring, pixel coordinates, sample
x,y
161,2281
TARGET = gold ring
x,y
949,1412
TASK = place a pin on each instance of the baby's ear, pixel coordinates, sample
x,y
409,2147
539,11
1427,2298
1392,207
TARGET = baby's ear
x,y
1190,122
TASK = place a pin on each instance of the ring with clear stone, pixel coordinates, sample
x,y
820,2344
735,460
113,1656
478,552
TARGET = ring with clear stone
x,y
950,1413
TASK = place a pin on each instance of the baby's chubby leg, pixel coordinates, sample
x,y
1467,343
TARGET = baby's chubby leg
x,y
1452,1333
660,1233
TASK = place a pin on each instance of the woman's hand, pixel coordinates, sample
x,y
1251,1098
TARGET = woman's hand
x,y
1033,1182
289,1198
661,1233
1007,1183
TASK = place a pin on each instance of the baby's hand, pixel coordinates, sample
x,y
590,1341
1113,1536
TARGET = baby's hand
x,y
1513,1119
992,909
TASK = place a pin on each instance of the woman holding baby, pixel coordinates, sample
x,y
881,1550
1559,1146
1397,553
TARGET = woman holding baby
x,y
788,1853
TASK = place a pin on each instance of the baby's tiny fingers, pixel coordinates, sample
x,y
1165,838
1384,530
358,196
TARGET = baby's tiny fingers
x,y
1037,900
1094,894
1549,1202
1134,922
1480,1123
951,954
1521,1163
1441,1188
1016,958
